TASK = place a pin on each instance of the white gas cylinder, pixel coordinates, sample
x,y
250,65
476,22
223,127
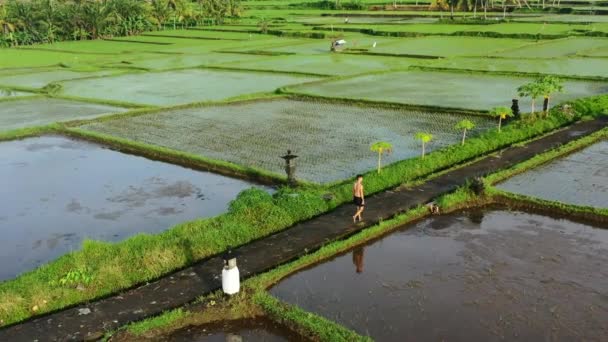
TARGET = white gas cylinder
x,y
231,282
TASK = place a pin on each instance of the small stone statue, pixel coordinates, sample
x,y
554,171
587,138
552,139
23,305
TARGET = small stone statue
x,y
290,168
515,109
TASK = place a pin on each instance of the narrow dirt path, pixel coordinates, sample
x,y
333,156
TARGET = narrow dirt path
x,y
89,321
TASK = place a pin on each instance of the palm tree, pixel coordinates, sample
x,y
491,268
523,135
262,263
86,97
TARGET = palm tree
x,y
531,90
424,138
501,113
235,8
7,30
159,12
465,125
177,8
215,9
381,147
453,4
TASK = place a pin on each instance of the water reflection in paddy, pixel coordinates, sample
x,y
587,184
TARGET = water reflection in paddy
x,y
580,178
474,276
55,192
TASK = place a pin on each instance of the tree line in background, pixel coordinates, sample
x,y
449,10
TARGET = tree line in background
x,y
491,5
24,22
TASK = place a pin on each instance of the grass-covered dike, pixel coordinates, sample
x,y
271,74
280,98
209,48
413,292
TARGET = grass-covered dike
x,y
254,214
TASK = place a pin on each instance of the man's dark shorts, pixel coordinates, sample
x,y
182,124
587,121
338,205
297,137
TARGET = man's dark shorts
x,y
358,201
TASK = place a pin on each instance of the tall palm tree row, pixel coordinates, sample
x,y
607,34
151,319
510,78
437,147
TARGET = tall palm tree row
x,y
24,22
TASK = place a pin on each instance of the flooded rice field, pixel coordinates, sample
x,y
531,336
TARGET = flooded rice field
x,y
255,134
179,87
57,192
443,89
481,275
43,111
580,178
41,78
260,329
5,93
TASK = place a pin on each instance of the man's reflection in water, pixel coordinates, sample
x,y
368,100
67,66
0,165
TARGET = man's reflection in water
x,y
476,216
358,259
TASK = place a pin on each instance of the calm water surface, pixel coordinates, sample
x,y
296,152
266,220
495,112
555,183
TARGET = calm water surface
x,y
580,178
56,192
477,276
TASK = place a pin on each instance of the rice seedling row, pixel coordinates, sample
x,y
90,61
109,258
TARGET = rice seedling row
x,y
332,140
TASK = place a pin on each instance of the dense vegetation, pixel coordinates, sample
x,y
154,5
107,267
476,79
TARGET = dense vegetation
x,y
47,21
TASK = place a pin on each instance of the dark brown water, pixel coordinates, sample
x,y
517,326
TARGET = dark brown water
x,y
56,192
236,331
476,276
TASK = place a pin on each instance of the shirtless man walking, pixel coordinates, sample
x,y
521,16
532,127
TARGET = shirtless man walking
x,y
358,198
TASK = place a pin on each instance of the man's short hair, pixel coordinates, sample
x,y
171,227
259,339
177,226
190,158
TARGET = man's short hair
x,y
359,176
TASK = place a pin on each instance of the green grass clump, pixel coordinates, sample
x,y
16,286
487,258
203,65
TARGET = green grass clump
x,y
140,328
306,322
29,132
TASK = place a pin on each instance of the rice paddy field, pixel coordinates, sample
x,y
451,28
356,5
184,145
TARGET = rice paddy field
x,y
580,178
549,30
7,93
501,273
448,46
225,102
364,20
571,67
86,193
557,48
255,134
440,89
332,65
39,79
565,18
178,87
22,113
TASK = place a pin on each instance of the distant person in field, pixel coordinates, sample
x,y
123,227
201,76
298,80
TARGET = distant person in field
x,y
358,198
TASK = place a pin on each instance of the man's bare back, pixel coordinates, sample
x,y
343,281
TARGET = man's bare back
x,y
358,190
358,198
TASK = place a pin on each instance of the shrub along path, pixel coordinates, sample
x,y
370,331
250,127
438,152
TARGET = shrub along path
x,y
90,321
